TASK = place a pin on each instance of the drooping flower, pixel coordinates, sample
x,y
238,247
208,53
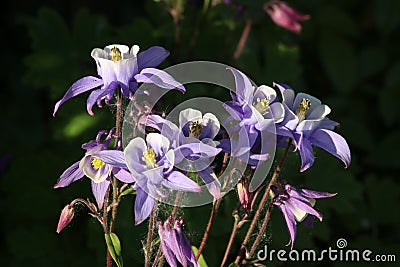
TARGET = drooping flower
x,y
175,245
151,162
195,129
119,66
254,112
94,168
245,196
296,205
67,214
285,16
306,124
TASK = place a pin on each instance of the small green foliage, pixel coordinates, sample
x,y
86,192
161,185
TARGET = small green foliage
x,y
201,259
114,247
128,191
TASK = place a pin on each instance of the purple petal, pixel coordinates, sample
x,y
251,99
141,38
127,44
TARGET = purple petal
x,y
315,194
80,86
178,181
290,222
333,143
70,175
93,98
282,88
290,119
303,205
244,88
155,175
169,255
234,109
152,57
193,149
211,181
306,151
123,175
277,111
159,78
166,128
99,191
143,205
112,157
184,252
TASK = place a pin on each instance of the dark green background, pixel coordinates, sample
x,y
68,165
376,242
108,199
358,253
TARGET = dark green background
x,y
347,55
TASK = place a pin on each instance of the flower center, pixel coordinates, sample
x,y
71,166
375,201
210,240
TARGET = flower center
x,y
115,54
149,157
302,109
262,106
97,163
195,129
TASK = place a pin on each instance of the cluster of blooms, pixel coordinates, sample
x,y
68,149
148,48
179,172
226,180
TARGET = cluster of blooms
x,y
159,163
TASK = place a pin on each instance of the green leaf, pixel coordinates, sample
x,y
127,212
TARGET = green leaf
x,y
201,259
233,265
114,247
128,191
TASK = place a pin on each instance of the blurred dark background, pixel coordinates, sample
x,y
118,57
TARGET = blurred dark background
x,y
347,55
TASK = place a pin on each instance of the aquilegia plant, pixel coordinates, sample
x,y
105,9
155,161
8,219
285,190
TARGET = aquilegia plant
x,y
168,158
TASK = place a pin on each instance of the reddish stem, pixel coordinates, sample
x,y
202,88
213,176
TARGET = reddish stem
x,y
209,225
261,204
242,40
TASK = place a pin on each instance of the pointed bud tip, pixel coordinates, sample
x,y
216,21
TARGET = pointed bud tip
x,y
67,214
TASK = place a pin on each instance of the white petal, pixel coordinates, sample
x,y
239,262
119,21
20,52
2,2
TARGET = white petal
x,y
318,112
266,92
158,142
189,115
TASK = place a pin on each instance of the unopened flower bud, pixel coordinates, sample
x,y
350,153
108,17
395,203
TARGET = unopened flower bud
x,y
245,196
67,214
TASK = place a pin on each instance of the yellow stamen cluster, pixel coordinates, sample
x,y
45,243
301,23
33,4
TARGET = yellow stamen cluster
x,y
195,129
115,54
149,157
262,106
304,106
97,163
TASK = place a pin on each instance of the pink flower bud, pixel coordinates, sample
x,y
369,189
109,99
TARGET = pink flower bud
x,y
245,196
285,16
67,214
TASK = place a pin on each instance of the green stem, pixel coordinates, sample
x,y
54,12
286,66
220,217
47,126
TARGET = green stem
x,y
261,204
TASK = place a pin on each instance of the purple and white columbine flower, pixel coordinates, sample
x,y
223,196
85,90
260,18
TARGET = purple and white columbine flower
x,y
175,245
296,205
151,162
94,168
306,124
253,110
119,66
195,129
